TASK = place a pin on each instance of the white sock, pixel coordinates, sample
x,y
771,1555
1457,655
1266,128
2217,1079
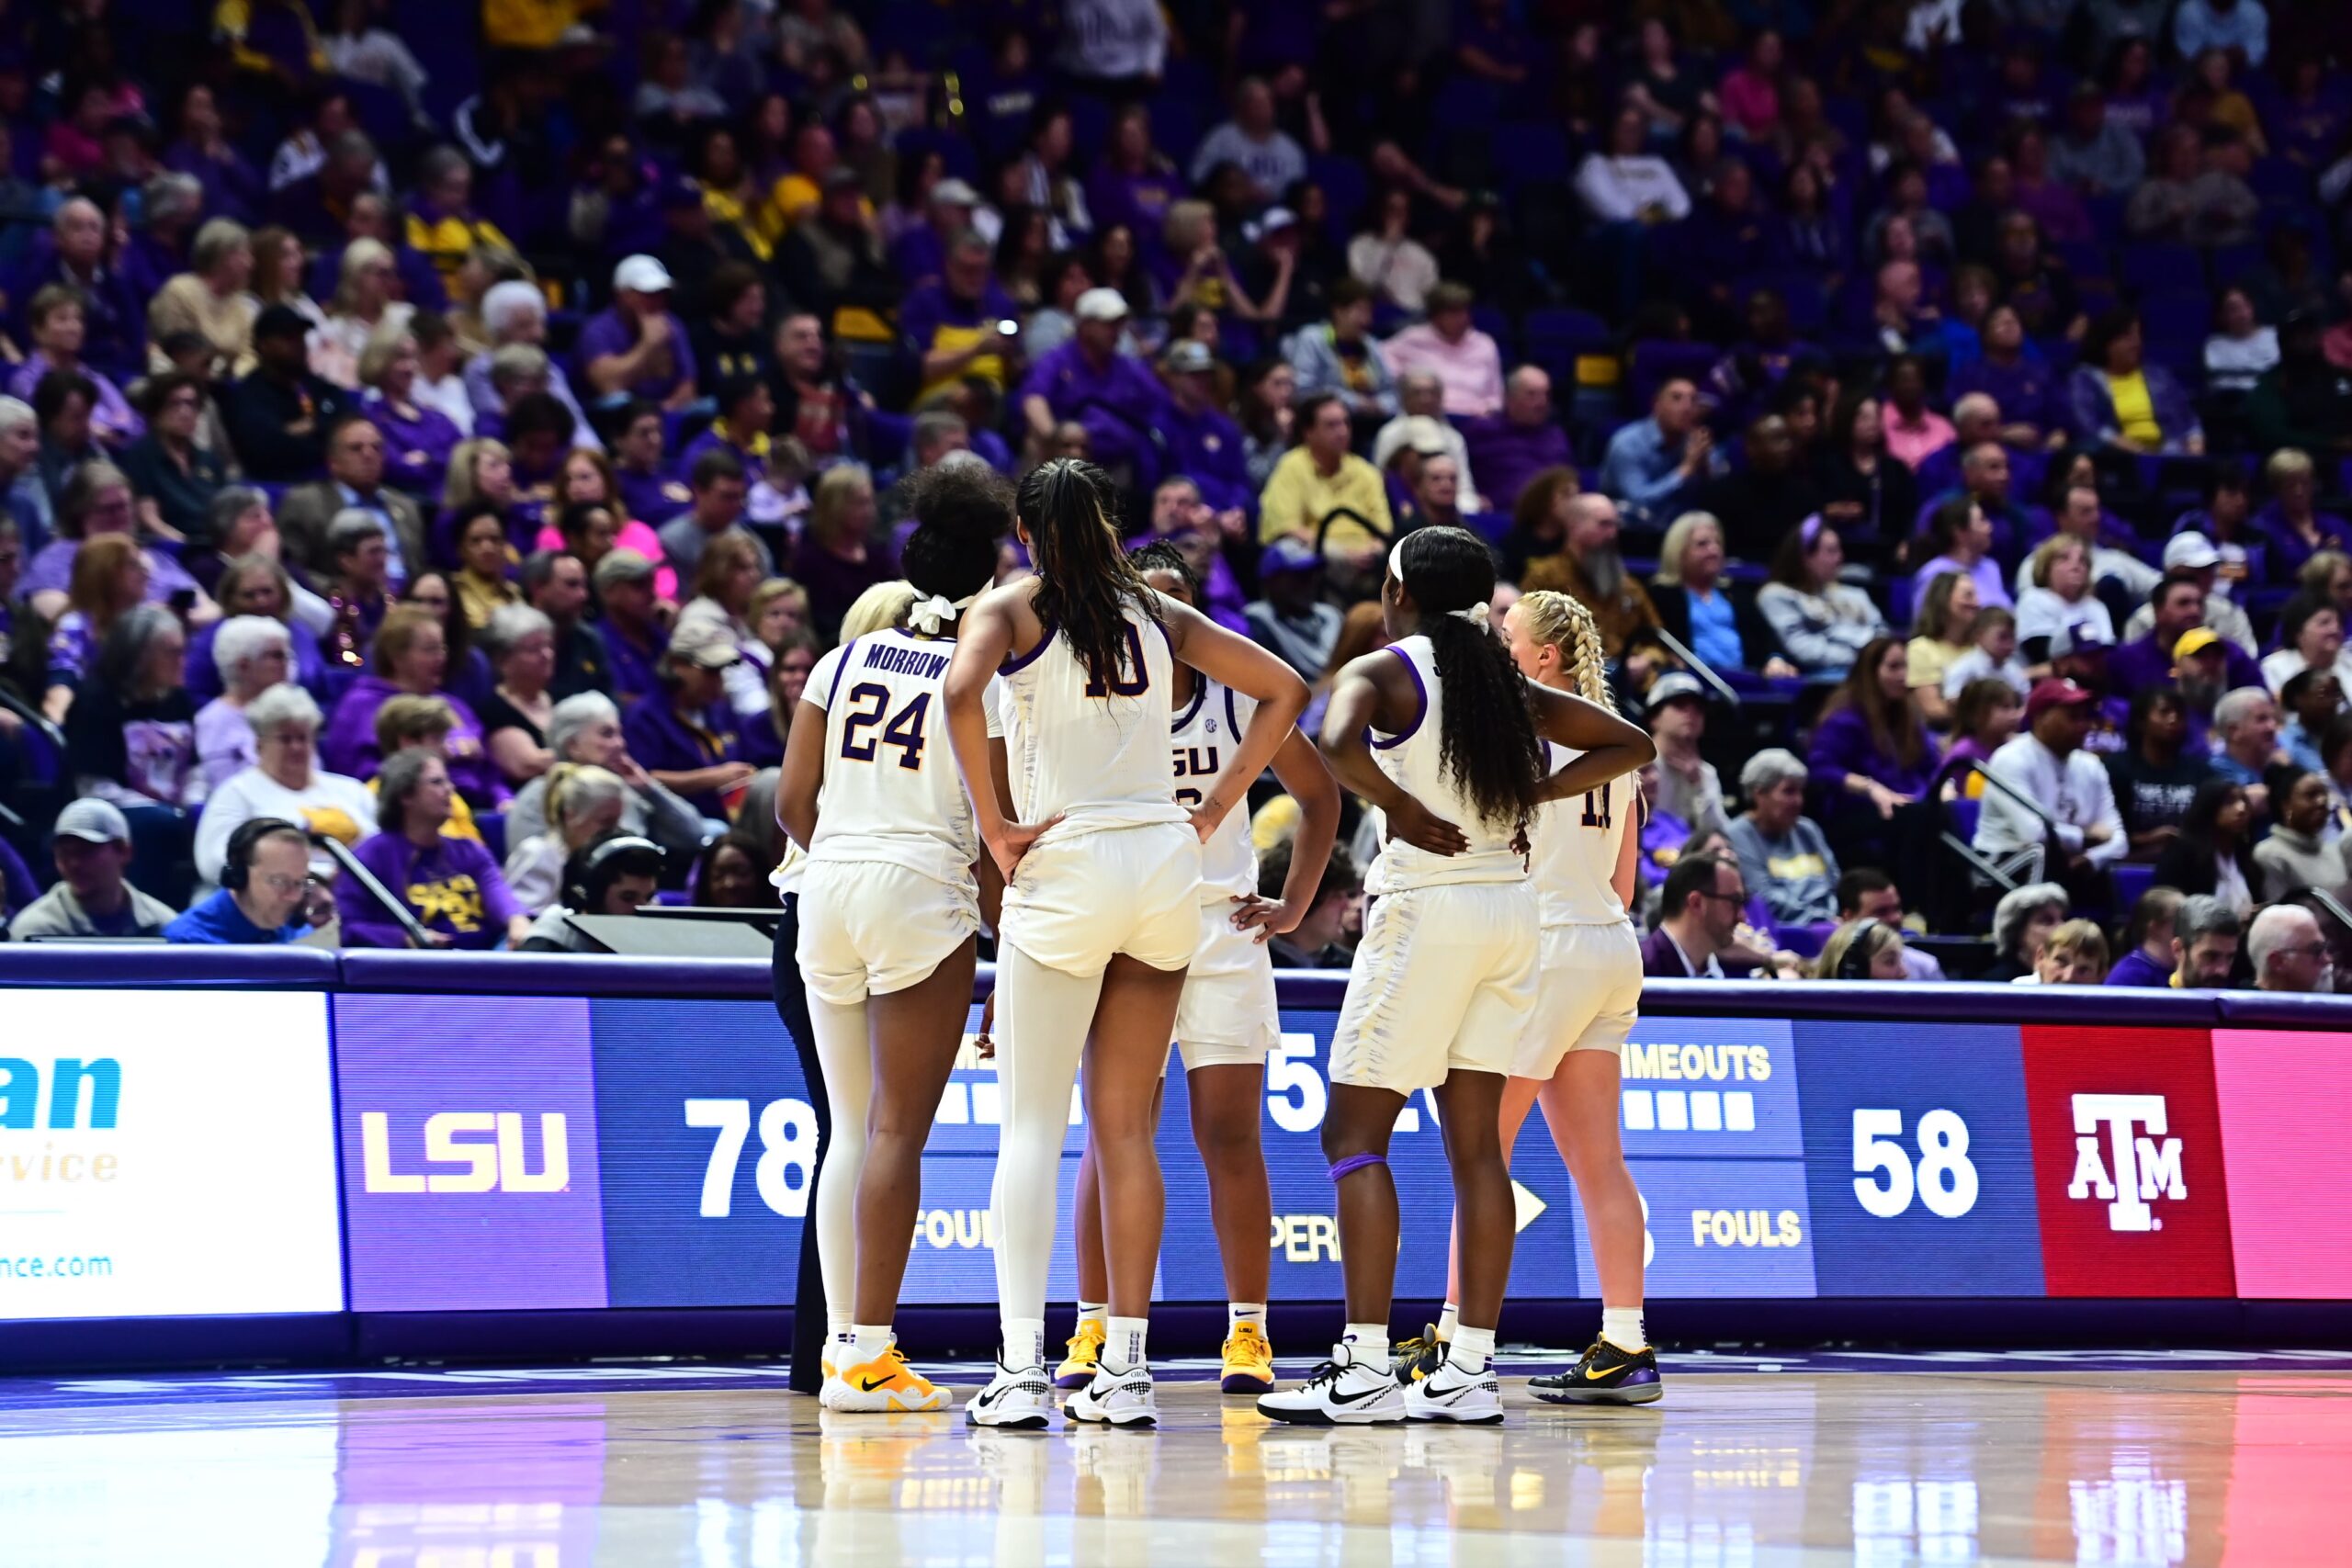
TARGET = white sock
x,y
1470,1350
1621,1326
1094,1312
1363,1345
1447,1322
1024,1342
1251,1313
837,1325
868,1340
1122,1343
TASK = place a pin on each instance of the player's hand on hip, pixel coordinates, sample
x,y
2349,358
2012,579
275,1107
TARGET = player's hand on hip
x,y
1270,917
1016,840
1424,830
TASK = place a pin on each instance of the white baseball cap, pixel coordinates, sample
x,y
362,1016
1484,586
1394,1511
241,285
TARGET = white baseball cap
x,y
2191,549
94,821
1101,305
641,275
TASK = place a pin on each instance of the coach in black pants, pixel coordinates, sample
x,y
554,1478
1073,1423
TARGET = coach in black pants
x,y
792,1006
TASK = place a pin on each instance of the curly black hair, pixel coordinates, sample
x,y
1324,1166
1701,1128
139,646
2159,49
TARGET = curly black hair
x,y
961,510
1162,556
1486,737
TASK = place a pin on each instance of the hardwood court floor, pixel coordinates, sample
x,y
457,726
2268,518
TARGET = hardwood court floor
x,y
1821,1461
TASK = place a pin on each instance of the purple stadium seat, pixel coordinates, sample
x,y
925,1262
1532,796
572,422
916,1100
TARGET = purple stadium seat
x,y
2150,270
2131,881
1805,941
1657,360
1538,154
493,826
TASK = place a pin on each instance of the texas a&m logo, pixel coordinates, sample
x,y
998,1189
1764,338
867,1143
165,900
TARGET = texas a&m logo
x,y
2123,1158
2126,1162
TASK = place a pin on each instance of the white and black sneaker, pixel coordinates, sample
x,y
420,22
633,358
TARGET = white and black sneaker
x,y
1449,1393
1019,1398
1340,1393
1115,1399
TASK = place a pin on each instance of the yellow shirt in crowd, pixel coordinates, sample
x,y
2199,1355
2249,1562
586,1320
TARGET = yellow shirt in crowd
x,y
1298,496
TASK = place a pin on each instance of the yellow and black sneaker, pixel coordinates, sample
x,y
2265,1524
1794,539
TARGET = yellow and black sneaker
x,y
1606,1375
1085,1354
1249,1361
885,1382
1417,1358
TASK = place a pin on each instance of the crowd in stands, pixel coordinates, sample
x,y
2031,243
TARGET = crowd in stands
x,y
435,443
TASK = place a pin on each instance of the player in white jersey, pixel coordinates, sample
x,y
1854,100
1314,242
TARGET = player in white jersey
x,y
1441,733
889,906
1228,1019
1101,902
1588,990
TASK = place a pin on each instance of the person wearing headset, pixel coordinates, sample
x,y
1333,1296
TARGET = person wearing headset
x,y
613,874
265,883
1866,949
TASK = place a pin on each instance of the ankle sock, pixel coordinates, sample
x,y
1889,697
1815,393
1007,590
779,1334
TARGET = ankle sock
x,y
1363,1345
1093,1311
1024,1342
868,1340
1123,1340
1621,1326
1251,1313
1470,1350
1447,1322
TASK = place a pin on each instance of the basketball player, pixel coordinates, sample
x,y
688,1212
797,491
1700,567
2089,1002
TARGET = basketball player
x,y
1227,1019
1102,903
889,907
1446,978
1587,987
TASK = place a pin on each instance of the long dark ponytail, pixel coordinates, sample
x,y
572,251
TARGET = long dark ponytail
x,y
1085,581
1486,739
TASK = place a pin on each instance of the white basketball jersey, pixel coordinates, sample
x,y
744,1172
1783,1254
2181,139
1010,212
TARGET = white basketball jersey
x,y
1577,844
892,790
1201,740
1097,755
1411,757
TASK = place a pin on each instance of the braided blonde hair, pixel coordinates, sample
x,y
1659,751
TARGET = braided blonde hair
x,y
1563,621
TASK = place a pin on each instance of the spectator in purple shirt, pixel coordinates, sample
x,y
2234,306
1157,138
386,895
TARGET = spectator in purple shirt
x,y
637,348
232,187
74,253
2292,525
59,329
1132,184
452,887
411,655
951,325
1088,380
1182,520
684,735
1871,743
1507,451
632,633
418,438
1204,444
2148,958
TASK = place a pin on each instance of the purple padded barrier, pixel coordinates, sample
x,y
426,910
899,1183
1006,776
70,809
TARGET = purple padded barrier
x,y
2263,1010
160,964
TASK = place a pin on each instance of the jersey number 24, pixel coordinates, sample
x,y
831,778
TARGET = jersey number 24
x,y
905,730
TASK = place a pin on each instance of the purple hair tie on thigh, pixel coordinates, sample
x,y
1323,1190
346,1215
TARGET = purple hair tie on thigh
x,y
1354,1163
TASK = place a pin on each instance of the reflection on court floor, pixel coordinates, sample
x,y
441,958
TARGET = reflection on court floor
x,y
2050,1462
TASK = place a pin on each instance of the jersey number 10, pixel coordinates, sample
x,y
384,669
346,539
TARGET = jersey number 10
x,y
905,730
1124,688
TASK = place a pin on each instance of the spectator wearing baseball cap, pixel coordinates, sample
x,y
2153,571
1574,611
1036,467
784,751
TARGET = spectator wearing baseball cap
x,y
2195,554
1292,620
2179,607
2047,765
624,584
1689,794
278,416
1203,442
1115,396
635,348
92,849
685,733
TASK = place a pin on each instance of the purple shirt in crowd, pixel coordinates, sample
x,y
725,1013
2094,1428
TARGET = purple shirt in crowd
x,y
308,667
111,415
609,332
451,886
417,443
1505,455
1842,744
2142,663
347,745
633,667
1207,448
661,741
1118,402
52,571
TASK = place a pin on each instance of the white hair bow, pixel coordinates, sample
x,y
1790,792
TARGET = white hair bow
x,y
932,616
